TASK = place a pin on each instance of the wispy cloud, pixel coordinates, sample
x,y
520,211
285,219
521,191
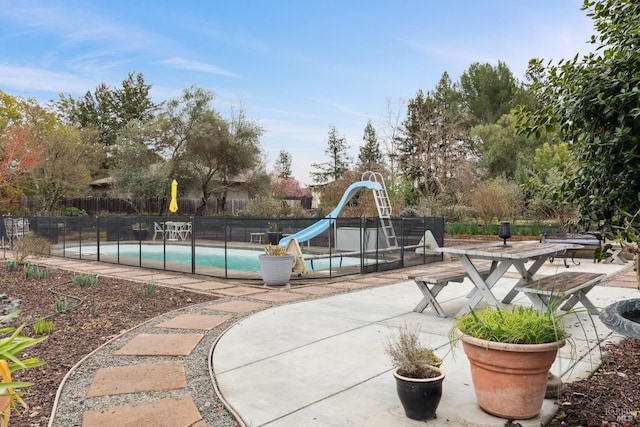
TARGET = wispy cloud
x,y
33,79
186,64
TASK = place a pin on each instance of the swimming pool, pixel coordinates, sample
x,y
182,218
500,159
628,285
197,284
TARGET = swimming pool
x,y
237,259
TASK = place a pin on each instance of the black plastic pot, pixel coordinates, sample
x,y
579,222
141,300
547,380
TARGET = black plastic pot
x,y
140,234
419,397
274,238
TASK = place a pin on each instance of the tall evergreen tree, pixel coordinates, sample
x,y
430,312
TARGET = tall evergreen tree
x,y
339,159
432,145
370,156
489,92
283,165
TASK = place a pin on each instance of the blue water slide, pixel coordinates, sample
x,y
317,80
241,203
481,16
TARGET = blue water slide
x,y
318,227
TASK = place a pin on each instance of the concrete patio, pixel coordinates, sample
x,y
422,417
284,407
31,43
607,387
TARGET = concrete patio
x,y
322,362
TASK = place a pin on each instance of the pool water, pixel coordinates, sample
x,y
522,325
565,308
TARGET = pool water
x,y
237,259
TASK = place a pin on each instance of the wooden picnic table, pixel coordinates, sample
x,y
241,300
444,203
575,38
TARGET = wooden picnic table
x,y
503,257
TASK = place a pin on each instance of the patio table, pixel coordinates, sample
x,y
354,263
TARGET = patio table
x,y
514,254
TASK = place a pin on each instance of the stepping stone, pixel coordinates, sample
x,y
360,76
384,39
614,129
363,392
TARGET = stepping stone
x,y
315,290
208,286
194,321
180,281
278,297
237,306
373,280
176,412
147,377
160,345
348,285
239,291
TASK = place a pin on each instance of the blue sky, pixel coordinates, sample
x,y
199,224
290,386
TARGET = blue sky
x,y
298,67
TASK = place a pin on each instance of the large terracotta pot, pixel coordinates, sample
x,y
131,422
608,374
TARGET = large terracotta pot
x,y
276,270
419,397
509,380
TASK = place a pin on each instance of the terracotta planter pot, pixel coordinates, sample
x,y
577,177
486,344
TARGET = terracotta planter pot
x,y
419,397
509,380
276,270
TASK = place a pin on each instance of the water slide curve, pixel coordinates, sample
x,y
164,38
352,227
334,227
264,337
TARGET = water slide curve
x,y
318,227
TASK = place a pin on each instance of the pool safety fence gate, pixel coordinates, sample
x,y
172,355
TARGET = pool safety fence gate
x,y
331,248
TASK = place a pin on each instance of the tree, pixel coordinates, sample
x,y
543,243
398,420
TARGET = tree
x,y
370,157
432,146
169,132
109,109
219,151
70,157
339,160
489,92
502,151
593,103
138,171
282,167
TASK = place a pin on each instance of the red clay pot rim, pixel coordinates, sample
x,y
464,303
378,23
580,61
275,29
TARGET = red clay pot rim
x,y
421,380
523,348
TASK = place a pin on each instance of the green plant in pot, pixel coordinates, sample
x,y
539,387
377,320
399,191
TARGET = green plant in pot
x,y
276,265
510,353
417,373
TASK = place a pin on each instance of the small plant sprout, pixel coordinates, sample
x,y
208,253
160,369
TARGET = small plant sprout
x,y
31,271
147,290
44,327
61,305
85,280
11,265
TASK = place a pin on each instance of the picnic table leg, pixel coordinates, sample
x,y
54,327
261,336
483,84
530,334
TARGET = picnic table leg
x,y
527,276
430,297
483,287
581,296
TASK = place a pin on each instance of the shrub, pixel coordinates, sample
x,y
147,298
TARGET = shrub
x,y
412,359
30,245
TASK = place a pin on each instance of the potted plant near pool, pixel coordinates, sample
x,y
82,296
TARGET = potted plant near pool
x,y
274,232
276,265
510,354
417,373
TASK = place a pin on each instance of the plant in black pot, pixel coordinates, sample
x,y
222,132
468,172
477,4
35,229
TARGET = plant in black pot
x,y
417,373
274,232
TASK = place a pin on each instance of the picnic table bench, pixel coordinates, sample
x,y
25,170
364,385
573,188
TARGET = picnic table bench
x,y
566,288
557,235
434,277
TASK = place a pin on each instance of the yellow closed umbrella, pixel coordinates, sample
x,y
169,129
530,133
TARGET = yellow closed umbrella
x,y
173,206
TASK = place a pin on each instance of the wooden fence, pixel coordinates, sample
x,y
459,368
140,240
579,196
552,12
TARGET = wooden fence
x,y
117,206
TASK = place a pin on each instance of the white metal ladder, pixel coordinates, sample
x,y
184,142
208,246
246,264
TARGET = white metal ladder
x,y
384,207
